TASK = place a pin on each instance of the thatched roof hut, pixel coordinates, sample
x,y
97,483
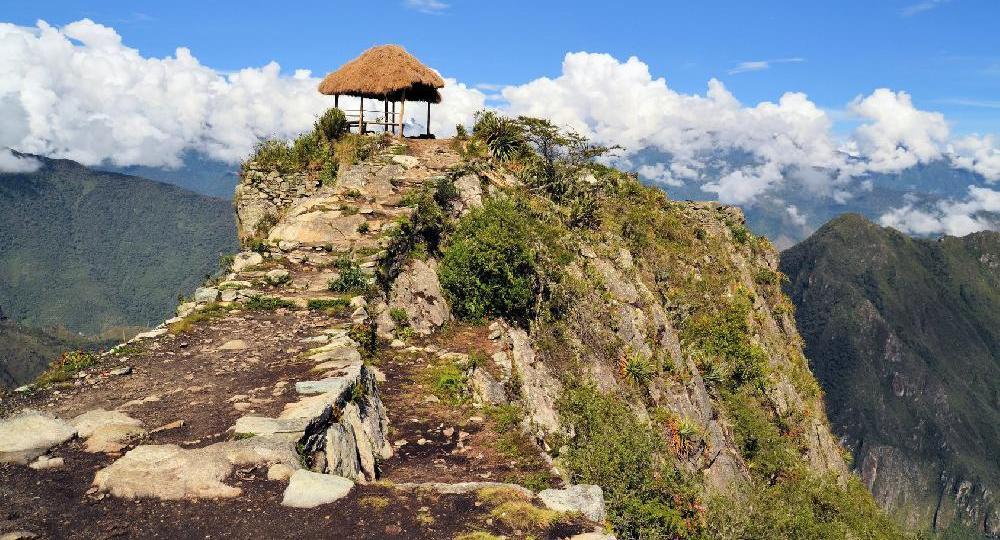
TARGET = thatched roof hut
x,y
384,72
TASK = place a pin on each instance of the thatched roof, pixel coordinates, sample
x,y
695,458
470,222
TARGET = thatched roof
x,y
385,71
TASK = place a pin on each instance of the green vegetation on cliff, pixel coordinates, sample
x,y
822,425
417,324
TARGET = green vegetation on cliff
x,y
649,265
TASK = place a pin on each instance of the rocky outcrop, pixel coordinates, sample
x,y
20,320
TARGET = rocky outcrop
x,y
417,292
265,194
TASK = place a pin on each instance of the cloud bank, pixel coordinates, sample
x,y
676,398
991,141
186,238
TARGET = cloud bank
x,y
78,92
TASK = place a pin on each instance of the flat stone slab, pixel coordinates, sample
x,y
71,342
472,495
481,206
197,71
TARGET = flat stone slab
x,y
167,472
150,334
170,472
586,499
263,426
307,489
335,352
331,385
30,434
106,431
233,345
461,488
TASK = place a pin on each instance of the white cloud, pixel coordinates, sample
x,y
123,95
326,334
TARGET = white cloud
x,y
9,163
954,217
897,134
760,65
663,173
77,92
795,216
431,7
920,7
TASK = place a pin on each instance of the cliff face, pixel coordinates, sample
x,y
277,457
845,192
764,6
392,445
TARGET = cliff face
x,y
904,336
501,353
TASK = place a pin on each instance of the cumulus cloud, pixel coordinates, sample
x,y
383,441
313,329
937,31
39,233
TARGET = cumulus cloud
x,y
980,210
77,92
621,102
897,134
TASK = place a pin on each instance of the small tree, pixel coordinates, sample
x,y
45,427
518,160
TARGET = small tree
x,y
332,125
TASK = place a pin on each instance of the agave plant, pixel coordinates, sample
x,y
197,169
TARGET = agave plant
x,y
504,137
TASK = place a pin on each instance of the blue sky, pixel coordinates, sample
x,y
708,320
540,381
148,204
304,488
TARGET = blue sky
x,y
946,54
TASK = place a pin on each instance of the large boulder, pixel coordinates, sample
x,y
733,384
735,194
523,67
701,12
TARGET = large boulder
x,y
30,434
246,259
307,489
418,292
586,499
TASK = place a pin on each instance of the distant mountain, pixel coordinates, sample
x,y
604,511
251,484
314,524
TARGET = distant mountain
x,y
197,173
91,251
26,352
904,336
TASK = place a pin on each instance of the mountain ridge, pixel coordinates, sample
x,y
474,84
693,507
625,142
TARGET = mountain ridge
x,y
894,327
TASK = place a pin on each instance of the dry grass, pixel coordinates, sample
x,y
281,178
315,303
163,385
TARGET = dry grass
x,y
386,70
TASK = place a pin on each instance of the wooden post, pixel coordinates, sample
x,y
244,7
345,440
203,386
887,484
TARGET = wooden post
x,y
385,114
336,100
402,113
393,118
361,117
428,119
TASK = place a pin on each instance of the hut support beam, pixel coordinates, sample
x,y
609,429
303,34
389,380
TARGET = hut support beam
x,y
402,112
361,117
336,100
428,119
393,117
385,114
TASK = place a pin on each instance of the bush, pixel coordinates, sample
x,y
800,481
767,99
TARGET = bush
x,y
334,306
726,336
489,267
266,303
351,278
332,125
804,506
69,364
647,496
503,137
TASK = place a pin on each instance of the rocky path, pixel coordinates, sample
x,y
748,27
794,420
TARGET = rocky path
x,y
257,411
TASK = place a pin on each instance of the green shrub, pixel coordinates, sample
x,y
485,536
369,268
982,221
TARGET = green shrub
x,y
489,267
503,136
400,317
351,278
726,336
333,306
806,505
266,303
638,369
69,364
332,125
647,496
449,382
422,233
